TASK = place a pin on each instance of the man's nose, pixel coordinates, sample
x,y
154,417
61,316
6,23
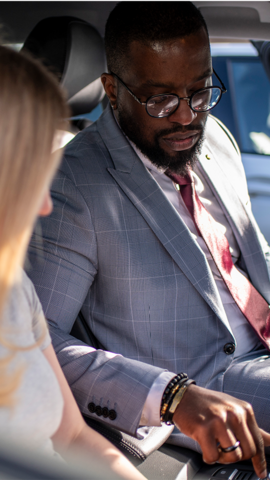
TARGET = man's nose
x,y
183,115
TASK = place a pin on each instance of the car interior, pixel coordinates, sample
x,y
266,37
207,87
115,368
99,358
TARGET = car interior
x,y
67,37
67,45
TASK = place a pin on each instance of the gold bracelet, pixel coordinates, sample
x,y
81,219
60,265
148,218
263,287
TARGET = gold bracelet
x,y
177,399
165,405
170,406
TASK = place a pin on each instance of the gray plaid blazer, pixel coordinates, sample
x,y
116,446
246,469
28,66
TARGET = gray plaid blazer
x,y
115,248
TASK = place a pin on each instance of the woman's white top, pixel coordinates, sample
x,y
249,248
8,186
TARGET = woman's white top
x,y
38,404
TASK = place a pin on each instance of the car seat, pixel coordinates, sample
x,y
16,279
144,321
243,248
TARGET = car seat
x,y
73,50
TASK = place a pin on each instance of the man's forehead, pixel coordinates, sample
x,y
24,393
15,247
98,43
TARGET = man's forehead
x,y
158,63
199,38
189,47
160,47
155,82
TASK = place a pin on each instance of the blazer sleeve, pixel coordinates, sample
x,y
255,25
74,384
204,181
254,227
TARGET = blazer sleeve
x,y
62,263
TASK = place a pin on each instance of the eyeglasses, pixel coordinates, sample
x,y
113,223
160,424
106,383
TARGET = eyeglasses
x,y
164,104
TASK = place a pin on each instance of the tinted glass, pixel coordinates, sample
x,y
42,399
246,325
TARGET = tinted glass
x,y
251,99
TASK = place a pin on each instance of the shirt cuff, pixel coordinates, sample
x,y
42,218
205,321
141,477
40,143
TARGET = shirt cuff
x,y
151,409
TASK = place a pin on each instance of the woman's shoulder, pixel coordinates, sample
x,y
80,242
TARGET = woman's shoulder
x,y
23,313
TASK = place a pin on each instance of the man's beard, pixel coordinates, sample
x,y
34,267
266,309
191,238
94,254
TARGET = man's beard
x,y
179,162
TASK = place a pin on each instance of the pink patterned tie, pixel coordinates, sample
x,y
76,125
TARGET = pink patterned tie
x,y
248,299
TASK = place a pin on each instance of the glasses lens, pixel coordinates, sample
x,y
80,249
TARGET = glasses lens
x,y
161,105
205,99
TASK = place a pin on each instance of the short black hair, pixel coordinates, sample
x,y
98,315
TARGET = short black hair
x,y
147,22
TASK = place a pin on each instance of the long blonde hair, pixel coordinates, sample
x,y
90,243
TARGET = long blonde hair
x,y
32,108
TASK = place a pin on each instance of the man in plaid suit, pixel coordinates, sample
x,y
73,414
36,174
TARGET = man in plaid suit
x,y
121,247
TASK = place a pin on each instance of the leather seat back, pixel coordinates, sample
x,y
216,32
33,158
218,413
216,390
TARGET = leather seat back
x,y
74,51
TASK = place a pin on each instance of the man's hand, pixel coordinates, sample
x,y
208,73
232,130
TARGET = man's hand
x,y
216,420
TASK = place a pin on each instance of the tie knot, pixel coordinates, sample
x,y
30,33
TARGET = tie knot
x,y
186,180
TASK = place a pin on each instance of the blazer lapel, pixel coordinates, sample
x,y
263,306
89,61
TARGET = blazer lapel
x,y
147,196
219,173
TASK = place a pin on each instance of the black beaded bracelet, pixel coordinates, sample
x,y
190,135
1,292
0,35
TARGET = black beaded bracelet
x,y
168,416
172,383
170,396
170,391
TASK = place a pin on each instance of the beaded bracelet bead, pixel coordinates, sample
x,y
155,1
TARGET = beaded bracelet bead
x,y
168,416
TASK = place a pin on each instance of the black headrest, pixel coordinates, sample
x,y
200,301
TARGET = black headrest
x,y
74,51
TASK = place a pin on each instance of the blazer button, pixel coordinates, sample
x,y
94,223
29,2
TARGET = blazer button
x,y
92,407
98,411
229,348
105,412
112,414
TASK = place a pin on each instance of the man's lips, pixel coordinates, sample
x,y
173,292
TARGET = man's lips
x,y
181,141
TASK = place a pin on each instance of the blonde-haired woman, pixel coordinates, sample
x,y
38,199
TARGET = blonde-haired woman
x,y
36,404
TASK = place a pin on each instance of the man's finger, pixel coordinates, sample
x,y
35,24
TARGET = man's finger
x,y
259,461
266,437
245,437
230,457
227,441
209,446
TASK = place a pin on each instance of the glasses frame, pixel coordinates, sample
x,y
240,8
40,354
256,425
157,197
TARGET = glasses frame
x,y
188,99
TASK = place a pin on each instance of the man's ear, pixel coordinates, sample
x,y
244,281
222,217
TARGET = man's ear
x,y
109,85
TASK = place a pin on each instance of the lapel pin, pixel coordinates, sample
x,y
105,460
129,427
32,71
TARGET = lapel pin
x,y
207,157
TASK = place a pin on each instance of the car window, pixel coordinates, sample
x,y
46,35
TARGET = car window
x,y
245,108
93,116
251,104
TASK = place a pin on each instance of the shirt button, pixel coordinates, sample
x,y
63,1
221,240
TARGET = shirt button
x,y
229,348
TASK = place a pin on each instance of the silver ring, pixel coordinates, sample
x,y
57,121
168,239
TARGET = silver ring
x,y
230,449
